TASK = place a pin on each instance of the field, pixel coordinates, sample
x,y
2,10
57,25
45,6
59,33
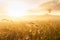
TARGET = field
x,y
44,28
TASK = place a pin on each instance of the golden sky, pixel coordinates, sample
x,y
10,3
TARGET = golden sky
x,y
20,7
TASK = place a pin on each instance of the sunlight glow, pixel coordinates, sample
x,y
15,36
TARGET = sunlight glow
x,y
16,15
14,9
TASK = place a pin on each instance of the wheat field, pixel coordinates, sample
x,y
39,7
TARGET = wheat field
x,y
31,30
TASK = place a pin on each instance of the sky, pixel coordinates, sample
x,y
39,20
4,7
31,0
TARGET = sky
x,y
16,6
19,6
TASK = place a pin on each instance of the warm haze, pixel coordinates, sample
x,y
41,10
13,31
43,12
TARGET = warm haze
x,y
18,8
29,19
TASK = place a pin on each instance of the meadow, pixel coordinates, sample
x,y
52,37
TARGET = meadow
x,y
46,29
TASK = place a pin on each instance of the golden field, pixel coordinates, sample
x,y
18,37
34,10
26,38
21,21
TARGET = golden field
x,y
39,28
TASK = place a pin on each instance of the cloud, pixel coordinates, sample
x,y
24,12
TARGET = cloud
x,y
53,5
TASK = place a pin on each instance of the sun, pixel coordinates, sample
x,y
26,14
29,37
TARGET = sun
x,y
16,15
